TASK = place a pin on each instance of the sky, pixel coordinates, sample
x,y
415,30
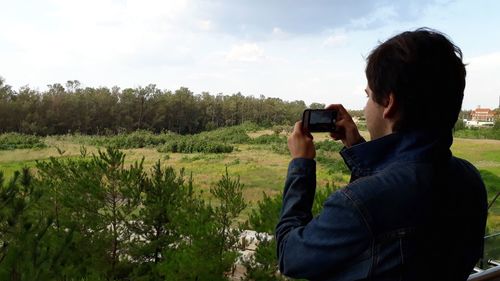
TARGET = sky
x,y
294,50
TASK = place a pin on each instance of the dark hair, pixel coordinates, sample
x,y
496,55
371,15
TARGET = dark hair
x,y
425,72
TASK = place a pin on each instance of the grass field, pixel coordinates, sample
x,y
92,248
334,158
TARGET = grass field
x,y
259,169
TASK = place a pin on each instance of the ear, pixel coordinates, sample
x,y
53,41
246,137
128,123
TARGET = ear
x,y
391,107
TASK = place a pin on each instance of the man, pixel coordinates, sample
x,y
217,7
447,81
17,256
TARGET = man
x,y
412,211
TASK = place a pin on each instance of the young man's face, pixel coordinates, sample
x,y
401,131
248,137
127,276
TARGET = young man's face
x,y
375,122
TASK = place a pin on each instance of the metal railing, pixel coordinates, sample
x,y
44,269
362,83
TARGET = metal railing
x,y
490,274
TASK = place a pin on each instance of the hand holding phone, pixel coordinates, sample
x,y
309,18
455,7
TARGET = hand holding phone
x,y
346,129
319,120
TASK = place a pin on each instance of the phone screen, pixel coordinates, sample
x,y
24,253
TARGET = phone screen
x,y
319,120
320,117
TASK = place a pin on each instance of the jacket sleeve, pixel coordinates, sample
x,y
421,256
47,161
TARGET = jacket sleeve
x,y
313,248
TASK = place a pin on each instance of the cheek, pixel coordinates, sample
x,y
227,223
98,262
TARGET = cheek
x,y
366,110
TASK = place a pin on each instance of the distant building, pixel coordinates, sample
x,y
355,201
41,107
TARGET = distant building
x,y
483,114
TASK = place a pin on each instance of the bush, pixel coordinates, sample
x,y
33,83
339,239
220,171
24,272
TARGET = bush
x,y
209,250
232,135
275,143
137,139
167,142
193,145
478,133
11,141
269,139
329,145
459,125
333,165
265,217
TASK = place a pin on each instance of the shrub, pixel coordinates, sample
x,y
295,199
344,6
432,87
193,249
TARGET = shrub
x,y
11,141
193,145
209,250
270,139
232,135
332,164
459,125
265,217
275,143
137,139
478,133
329,145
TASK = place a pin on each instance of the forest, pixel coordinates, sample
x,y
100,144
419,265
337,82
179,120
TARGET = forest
x,y
97,111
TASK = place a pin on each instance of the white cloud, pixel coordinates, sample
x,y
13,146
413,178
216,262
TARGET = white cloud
x,y
489,61
205,25
278,33
335,40
246,52
483,85
384,14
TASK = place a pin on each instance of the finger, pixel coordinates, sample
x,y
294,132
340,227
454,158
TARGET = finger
x,y
335,136
341,123
339,107
298,127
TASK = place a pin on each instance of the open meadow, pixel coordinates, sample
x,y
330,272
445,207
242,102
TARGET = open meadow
x,y
260,167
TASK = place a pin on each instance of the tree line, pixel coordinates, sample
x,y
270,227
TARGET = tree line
x,y
97,111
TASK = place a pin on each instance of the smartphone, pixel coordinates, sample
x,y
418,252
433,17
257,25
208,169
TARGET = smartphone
x,y
319,120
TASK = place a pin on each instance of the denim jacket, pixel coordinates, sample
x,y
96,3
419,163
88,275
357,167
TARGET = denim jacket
x,y
412,211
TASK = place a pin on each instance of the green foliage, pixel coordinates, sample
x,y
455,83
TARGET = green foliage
x,y
276,143
265,217
92,218
280,148
69,108
328,145
492,248
29,250
316,105
158,223
491,181
208,251
279,144
216,141
332,164
136,139
278,129
95,197
231,135
264,265
229,194
193,144
270,139
459,125
11,141
478,133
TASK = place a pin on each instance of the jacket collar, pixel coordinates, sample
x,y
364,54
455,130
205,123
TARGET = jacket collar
x,y
369,157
